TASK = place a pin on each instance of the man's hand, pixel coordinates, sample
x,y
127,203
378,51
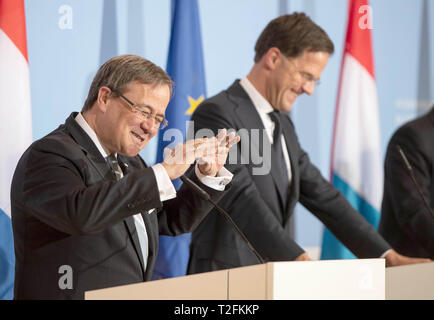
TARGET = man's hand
x,y
215,152
303,257
178,160
211,154
393,259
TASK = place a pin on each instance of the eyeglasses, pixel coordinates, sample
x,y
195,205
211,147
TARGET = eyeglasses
x,y
307,77
144,112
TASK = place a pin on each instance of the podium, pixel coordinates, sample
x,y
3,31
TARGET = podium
x,y
410,282
289,280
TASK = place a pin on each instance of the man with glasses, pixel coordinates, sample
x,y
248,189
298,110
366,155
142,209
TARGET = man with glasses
x,y
291,54
86,209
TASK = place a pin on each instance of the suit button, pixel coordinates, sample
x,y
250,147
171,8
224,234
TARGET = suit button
x,y
130,206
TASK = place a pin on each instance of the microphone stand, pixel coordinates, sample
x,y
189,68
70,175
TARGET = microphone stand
x,y
410,170
202,193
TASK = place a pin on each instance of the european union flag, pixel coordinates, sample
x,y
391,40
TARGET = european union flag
x,y
185,67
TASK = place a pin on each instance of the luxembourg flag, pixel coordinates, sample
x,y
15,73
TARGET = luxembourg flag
x,y
356,165
16,125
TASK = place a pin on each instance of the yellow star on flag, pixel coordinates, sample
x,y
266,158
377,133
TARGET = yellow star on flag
x,y
193,104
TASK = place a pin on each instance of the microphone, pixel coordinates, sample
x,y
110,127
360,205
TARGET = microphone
x,y
410,170
204,195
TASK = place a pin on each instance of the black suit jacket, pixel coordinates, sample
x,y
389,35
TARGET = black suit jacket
x,y
258,207
405,220
69,210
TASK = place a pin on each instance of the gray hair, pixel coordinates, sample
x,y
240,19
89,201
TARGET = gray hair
x,y
118,71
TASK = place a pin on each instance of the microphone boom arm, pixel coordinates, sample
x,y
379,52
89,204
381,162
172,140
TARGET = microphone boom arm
x,y
410,170
202,193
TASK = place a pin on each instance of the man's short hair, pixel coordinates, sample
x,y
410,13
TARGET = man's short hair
x,y
292,34
118,71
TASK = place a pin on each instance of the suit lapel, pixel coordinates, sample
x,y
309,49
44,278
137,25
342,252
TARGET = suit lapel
x,y
132,231
245,109
291,145
130,224
88,147
150,219
249,117
101,166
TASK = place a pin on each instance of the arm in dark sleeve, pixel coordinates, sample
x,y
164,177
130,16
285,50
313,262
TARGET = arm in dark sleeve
x,y
408,205
51,188
244,202
183,213
331,207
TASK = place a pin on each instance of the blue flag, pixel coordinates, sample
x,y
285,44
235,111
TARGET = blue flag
x,y
7,257
185,67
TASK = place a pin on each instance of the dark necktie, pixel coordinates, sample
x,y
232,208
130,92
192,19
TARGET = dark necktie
x,y
114,165
141,229
278,159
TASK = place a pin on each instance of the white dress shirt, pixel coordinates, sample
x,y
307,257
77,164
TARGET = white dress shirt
x,y
165,186
263,107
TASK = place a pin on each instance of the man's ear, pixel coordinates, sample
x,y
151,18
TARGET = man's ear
x,y
272,58
103,98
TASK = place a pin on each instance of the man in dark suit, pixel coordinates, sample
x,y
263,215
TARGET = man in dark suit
x,y
272,171
86,210
406,221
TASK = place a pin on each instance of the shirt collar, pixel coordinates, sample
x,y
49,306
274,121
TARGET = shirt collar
x,y
85,126
260,103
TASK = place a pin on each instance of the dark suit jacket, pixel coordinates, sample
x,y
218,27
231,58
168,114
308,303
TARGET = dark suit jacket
x,y
405,220
68,209
255,204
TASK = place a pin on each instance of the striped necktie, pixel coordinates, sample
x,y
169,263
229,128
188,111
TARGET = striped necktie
x,y
114,165
138,219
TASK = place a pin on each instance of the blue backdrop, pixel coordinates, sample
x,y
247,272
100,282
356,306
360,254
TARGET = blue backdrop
x,y
68,39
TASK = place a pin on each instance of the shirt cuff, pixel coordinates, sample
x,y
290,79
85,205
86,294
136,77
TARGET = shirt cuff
x,y
219,182
165,186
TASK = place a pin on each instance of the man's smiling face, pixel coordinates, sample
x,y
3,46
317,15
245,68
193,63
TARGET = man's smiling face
x,y
293,77
123,129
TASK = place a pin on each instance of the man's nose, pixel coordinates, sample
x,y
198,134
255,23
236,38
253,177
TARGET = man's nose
x,y
149,124
309,87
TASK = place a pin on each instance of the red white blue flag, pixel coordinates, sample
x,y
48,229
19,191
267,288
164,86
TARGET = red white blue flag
x,y
356,165
16,124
